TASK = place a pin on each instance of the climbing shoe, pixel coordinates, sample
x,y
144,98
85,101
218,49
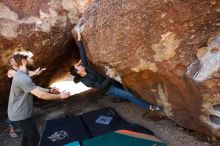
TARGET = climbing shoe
x,y
155,108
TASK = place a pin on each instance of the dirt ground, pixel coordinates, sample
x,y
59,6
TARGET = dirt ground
x,y
166,130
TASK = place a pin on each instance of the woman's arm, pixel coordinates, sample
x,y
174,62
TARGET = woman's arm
x,y
11,73
82,51
38,71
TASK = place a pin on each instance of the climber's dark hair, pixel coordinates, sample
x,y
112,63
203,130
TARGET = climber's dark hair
x,y
76,79
73,72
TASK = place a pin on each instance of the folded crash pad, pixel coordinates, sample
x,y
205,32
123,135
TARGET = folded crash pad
x,y
62,131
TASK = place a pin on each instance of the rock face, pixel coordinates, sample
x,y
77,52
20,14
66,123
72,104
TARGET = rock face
x,y
42,27
167,51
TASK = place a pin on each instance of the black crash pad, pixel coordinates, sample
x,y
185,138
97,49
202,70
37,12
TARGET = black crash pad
x,y
61,131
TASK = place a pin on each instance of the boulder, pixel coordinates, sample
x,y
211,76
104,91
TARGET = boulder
x,y
166,51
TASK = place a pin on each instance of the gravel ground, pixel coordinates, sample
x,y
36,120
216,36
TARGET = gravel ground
x,y
166,130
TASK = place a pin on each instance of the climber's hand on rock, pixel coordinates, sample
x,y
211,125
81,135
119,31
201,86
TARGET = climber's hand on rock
x,y
76,33
78,36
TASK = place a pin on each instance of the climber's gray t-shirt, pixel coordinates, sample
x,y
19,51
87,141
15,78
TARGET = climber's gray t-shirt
x,y
20,103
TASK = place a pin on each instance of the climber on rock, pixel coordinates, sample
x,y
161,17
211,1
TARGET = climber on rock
x,y
89,77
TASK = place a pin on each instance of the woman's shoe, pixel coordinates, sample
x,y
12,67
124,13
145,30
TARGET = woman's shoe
x,y
13,134
155,108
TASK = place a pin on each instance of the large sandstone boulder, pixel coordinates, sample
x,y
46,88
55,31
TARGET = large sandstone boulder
x,y
167,51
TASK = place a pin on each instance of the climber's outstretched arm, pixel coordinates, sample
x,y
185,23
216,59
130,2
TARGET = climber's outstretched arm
x,y
82,50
